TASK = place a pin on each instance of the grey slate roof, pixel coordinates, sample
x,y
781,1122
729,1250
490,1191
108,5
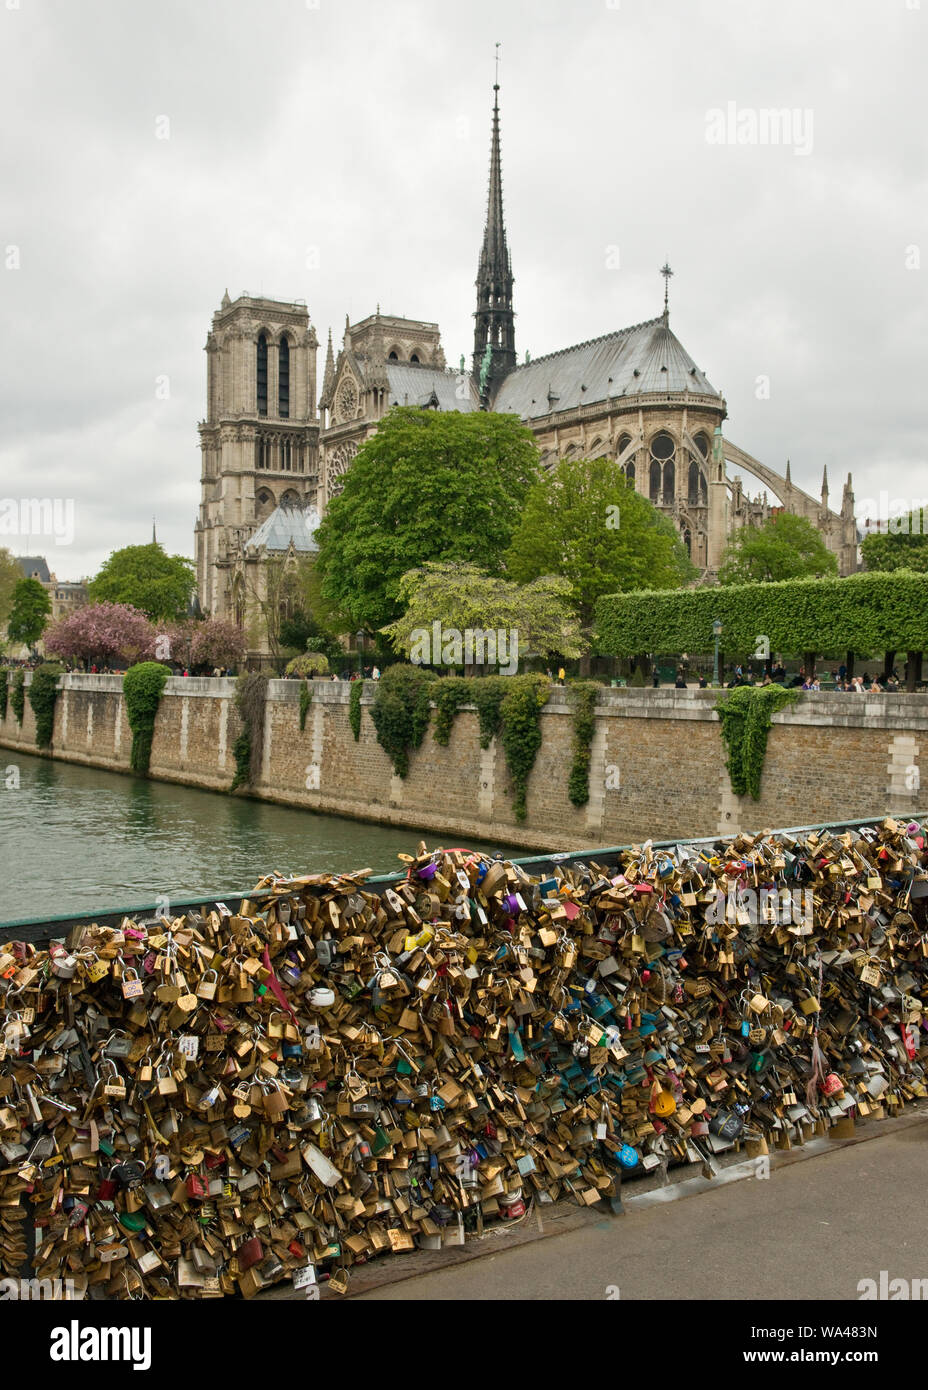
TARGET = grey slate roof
x,y
286,524
606,367
416,385
35,567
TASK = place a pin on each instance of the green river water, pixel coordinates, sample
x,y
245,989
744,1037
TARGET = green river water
x,y
73,838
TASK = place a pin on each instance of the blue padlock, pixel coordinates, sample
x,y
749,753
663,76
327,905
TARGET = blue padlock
x,y
627,1156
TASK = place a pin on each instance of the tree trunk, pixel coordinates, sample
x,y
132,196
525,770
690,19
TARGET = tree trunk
x,y
849,663
585,664
808,661
911,669
888,660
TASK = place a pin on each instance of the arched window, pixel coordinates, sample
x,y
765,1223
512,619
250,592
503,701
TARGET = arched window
x,y
264,503
688,541
283,380
692,490
415,358
262,374
628,467
285,455
662,451
262,453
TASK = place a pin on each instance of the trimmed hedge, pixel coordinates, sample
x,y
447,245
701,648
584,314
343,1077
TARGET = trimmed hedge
x,y
864,613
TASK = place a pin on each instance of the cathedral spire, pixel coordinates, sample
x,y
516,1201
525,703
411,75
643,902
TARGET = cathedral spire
x,y
494,331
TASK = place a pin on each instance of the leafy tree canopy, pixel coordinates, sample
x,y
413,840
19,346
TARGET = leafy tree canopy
x,y
584,521
902,546
146,578
460,599
10,575
427,486
29,613
784,547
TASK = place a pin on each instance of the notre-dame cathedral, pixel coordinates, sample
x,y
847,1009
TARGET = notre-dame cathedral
x,y
271,458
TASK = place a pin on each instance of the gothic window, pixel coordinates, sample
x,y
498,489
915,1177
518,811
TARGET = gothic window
x,y
285,456
688,541
290,499
347,399
283,380
238,603
264,503
629,466
336,465
662,467
702,444
414,358
392,357
262,374
692,491
263,449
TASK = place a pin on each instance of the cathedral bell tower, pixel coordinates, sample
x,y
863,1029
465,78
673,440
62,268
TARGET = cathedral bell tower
x,y
494,320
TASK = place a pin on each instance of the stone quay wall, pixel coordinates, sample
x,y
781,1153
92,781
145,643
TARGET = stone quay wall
x,y
657,770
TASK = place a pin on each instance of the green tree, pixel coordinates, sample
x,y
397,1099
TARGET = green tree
x,y
461,599
427,486
30,612
903,546
10,575
146,578
784,547
584,522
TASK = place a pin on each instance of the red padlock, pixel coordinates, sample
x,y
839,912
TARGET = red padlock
x,y
832,1084
108,1188
196,1186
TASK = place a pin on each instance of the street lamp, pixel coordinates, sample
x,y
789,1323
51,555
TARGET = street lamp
x,y
716,633
359,637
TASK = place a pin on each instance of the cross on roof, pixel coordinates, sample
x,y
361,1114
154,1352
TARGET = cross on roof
x,y
666,272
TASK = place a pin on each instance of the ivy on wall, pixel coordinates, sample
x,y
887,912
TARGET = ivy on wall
x,y
449,694
142,688
4,690
582,696
354,708
18,695
43,693
520,711
745,716
251,703
401,712
306,699
507,706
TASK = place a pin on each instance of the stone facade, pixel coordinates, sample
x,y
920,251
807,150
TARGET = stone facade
x,y
657,770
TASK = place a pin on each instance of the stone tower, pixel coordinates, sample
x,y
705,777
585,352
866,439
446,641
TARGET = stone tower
x,y
260,438
494,320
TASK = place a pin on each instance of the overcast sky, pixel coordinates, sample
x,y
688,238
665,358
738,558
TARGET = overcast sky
x,y
361,128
